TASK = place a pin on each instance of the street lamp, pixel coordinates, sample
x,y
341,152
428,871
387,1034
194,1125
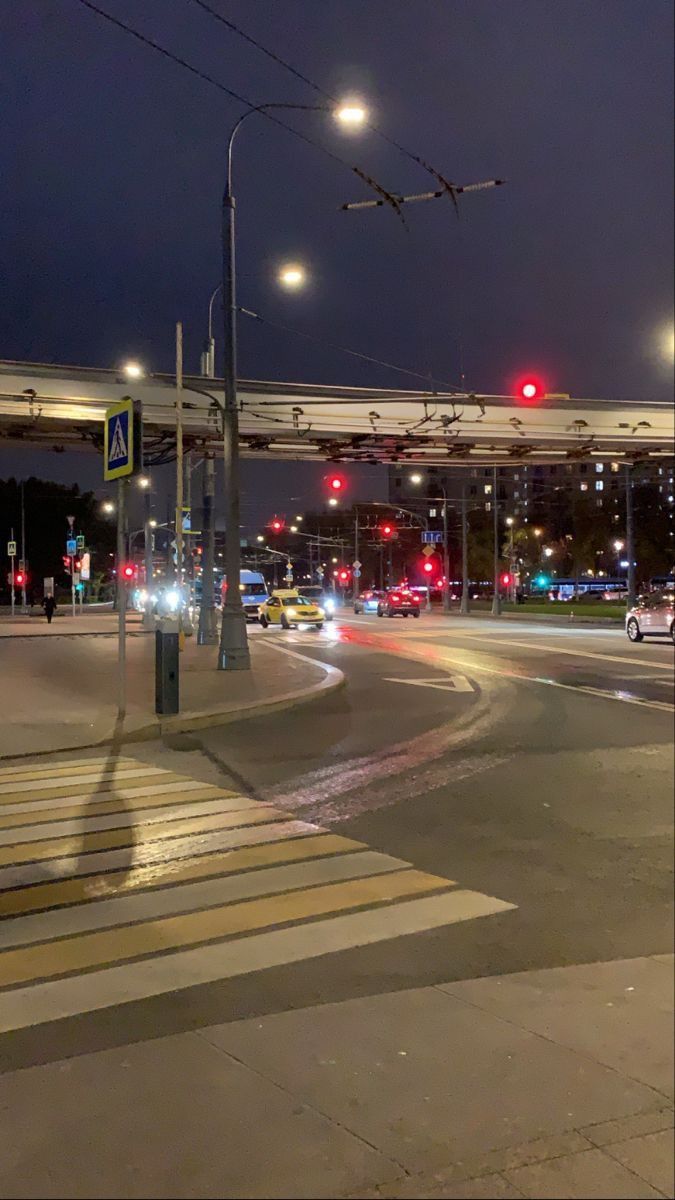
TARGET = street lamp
x,y
143,481
133,369
292,277
416,478
108,507
333,502
548,552
233,653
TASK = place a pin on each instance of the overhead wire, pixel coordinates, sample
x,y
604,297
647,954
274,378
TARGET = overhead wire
x,y
312,337
206,78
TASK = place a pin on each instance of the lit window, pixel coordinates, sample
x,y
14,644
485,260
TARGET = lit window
x,y
488,507
615,467
516,477
488,489
516,495
583,487
599,468
599,485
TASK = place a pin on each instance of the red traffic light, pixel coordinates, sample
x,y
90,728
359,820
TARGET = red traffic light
x,y
276,525
343,576
529,389
127,571
428,567
388,529
506,579
336,483
20,578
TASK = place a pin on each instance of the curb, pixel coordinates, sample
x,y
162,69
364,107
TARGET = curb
x,y
332,680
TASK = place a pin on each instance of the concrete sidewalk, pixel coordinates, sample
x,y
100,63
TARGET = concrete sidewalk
x,y
551,1083
61,691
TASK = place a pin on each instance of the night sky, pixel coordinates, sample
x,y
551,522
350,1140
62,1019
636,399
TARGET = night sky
x,y
113,165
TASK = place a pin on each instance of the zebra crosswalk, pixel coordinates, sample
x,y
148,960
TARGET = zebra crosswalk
x,y
121,881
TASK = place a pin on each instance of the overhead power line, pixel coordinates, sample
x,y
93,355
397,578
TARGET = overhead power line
x,y
312,337
448,189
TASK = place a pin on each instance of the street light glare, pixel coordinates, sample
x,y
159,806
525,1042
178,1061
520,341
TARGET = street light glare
x,y
152,523
133,369
143,481
108,506
333,501
351,114
416,478
292,276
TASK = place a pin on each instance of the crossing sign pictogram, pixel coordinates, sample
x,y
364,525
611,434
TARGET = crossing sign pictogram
x,y
122,441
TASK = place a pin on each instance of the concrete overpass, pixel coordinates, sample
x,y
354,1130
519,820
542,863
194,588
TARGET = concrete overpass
x,y
62,407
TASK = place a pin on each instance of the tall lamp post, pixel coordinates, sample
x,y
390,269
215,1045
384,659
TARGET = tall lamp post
x,y
233,652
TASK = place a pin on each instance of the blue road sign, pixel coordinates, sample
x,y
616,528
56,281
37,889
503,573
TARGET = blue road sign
x,y
71,546
119,448
432,536
356,573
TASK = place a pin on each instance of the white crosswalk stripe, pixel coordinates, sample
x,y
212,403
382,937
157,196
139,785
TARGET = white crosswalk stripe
x,y
128,881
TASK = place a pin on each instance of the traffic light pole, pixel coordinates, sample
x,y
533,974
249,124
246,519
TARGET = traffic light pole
x,y
207,634
12,572
121,600
630,535
24,607
464,605
446,555
496,604
355,581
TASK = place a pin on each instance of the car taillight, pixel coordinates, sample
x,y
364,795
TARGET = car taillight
x,y
416,599
395,599
368,596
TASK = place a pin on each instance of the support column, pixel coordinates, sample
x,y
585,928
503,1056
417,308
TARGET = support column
x,y
630,534
464,605
207,633
496,603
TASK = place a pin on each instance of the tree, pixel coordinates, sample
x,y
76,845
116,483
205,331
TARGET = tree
x,y
47,506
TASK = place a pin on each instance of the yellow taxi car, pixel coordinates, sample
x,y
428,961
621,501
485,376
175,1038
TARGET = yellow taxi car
x,y
286,607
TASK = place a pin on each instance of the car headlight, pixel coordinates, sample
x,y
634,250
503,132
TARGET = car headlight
x,y
172,600
320,612
330,606
290,612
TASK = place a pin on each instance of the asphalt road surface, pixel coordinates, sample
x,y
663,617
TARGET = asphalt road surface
x,y
482,797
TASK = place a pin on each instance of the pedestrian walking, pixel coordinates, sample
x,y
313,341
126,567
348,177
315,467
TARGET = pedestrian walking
x,y
49,604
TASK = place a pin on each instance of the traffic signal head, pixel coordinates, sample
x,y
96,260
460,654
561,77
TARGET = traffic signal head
x,y
336,483
529,389
344,575
542,581
276,525
20,578
506,579
128,571
388,529
427,567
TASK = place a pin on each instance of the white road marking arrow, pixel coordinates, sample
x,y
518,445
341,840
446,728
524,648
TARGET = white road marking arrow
x,y
453,683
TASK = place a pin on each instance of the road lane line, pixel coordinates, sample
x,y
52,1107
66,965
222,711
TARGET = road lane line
x,y
157,854
27,1006
89,951
83,823
195,896
75,767
488,640
94,889
36,811
131,836
37,785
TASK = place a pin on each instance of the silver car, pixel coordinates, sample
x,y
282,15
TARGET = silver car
x,y
652,615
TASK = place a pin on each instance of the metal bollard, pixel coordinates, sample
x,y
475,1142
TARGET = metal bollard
x,y
166,666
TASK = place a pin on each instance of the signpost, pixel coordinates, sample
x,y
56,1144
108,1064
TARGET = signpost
x,y
11,550
122,456
427,551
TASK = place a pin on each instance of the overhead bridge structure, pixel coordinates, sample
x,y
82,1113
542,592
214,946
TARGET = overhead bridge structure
x,y
61,407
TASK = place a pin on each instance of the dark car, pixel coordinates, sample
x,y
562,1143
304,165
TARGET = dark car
x,y
399,602
368,601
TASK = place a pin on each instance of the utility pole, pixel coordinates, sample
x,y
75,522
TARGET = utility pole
x,y
464,605
630,534
179,453
207,633
24,567
12,560
446,554
148,620
121,599
496,604
355,581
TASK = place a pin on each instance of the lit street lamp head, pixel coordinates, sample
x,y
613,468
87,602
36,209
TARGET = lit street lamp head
x,y
351,114
416,478
133,369
108,506
292,277
143,481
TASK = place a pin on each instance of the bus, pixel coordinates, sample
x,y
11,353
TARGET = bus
x,y
252,586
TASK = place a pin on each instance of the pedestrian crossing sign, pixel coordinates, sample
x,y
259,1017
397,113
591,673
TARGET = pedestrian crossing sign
x,y
121,442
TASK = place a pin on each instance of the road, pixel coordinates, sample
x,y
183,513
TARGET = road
x,y
524,772
344,944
